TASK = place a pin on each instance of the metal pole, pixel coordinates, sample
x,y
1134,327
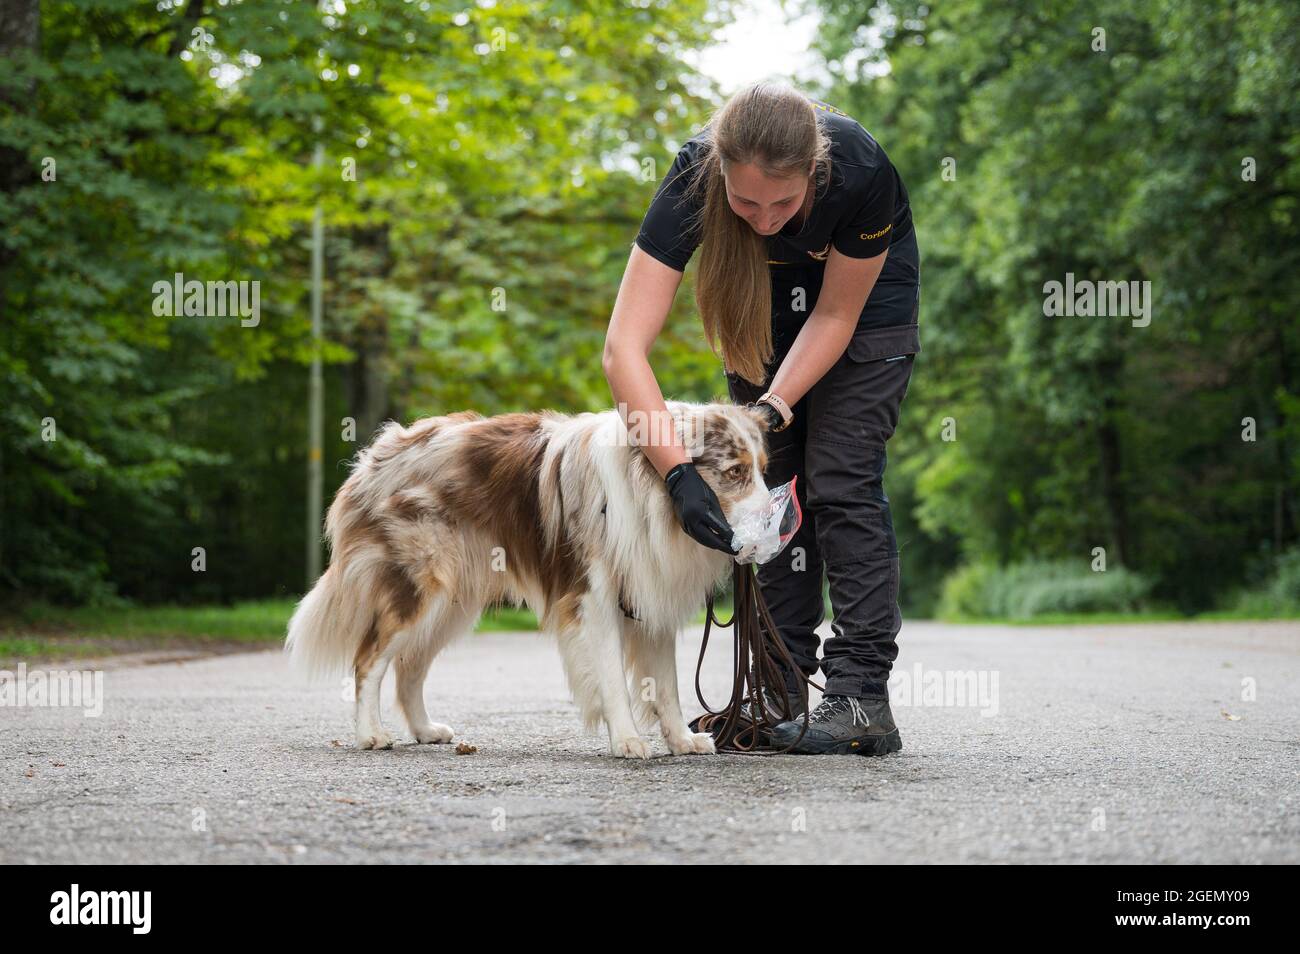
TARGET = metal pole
x,y
316,391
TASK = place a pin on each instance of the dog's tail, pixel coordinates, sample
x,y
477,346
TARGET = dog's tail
x,y
327,627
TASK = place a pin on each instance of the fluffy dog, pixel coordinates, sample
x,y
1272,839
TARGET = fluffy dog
x,y
439,520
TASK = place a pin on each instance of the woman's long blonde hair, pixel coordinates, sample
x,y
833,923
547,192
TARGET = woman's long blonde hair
x,y
775,128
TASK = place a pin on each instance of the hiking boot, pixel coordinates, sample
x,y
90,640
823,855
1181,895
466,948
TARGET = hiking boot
x,y
843,725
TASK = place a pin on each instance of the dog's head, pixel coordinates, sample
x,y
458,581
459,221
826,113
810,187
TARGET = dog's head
x,y
728,443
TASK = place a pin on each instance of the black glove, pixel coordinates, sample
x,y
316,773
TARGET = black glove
x,y
697,508
774,419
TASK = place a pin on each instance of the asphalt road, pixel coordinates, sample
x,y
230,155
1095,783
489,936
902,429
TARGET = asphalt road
x,y
1096,744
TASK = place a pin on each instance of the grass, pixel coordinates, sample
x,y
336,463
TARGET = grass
x,y
41,631
251,622
1247,614
1144,616
1071,619
24,647
507,619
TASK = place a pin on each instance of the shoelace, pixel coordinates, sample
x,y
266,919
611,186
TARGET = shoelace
x,y
833,707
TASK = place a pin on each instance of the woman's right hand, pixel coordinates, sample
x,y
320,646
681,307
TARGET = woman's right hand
x,y
770,414
697,507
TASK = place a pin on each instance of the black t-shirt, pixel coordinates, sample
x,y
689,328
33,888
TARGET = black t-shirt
x,y
862,210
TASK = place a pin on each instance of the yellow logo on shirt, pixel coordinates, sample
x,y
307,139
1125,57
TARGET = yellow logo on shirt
x,y
821,256
818,104
875,235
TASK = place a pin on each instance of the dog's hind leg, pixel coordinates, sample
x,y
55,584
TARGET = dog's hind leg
x,y
370,665
653,658
443,623
412,666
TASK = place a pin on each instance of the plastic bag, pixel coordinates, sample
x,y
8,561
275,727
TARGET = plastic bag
x,y
761,535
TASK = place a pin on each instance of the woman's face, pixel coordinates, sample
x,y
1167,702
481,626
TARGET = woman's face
x,y
765,203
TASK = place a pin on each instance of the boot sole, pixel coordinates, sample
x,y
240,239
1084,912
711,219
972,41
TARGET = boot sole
x,y
869,745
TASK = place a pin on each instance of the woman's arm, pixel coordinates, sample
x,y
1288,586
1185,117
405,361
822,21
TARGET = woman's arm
x,y
644,298
826,334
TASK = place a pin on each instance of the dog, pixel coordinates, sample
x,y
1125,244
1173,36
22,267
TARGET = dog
x,y
564,513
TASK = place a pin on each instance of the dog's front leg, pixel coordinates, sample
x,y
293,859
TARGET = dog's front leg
x,y
659,653
602,635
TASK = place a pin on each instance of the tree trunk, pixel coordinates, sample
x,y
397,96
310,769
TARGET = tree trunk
x,y
369,394
1112,469
1283,510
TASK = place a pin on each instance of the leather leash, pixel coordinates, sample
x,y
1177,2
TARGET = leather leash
x,y
758,655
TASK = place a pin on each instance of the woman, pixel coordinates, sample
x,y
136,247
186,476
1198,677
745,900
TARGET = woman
x,y
809,277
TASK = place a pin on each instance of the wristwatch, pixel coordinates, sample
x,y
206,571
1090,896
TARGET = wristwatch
x,y
783,409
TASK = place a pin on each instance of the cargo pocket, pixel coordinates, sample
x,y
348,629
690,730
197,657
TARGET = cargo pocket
x,y
873,344
845,461
845,492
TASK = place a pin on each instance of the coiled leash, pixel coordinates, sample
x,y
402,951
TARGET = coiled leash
x,y
758,657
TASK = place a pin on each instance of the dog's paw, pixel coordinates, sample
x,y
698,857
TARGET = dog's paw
x,y
632,747
379,739
435,733
693,743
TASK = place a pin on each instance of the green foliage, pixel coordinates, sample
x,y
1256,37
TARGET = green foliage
x,y
476,227
1278,594
1121,164
1040,588
473,257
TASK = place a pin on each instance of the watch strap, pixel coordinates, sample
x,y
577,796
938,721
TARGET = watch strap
x,y
783,409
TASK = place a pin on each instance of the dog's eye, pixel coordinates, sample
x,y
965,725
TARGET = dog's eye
x,y
736,473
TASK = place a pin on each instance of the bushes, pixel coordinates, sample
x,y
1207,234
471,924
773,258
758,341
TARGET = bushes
x,y
1040,587
1277,595
1053,587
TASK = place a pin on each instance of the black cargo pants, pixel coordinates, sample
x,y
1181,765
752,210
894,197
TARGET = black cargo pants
x,y
836,446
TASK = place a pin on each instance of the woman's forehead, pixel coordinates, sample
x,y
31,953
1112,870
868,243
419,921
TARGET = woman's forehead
x,y
747,181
